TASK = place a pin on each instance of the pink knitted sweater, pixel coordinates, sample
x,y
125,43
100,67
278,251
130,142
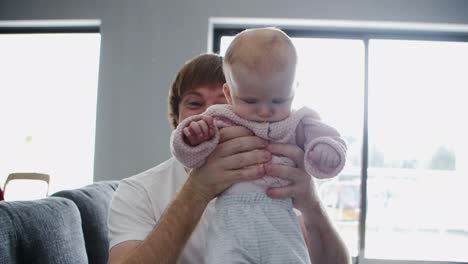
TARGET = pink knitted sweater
x,y
284,131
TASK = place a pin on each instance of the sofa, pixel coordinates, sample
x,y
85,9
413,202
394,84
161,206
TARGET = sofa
x,y
67,227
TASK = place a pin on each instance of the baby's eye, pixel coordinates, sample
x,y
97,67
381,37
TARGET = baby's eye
x,y
250,101
279,101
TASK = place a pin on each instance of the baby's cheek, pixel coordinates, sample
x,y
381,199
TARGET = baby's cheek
x,y
244,112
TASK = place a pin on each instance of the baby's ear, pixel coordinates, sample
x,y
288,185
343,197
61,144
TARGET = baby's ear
x,y
227,93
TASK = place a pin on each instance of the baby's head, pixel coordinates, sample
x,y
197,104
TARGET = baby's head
x,y
259,67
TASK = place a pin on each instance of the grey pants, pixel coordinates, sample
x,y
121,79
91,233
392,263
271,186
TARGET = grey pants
x,y
253,228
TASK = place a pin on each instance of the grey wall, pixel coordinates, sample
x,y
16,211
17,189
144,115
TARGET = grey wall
x,y
144,42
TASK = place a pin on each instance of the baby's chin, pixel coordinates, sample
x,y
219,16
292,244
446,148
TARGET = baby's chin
x,y
269,120
264,120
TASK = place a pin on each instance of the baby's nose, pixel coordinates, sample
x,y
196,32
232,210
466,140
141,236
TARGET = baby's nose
x,y
264,111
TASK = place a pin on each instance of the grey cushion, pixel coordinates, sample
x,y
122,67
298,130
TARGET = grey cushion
x,y
41,231
93,202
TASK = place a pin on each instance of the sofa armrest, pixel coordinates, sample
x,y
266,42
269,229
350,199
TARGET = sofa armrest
x,y
93,203
41,231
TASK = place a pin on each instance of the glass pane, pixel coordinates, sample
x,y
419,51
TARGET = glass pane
x,y
331,81
331,77
48,93
418,151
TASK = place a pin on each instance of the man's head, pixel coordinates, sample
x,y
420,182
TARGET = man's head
x,y
260,66
196,84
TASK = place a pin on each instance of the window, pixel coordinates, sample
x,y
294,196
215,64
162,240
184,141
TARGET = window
x,y
398,101
48,96
416,152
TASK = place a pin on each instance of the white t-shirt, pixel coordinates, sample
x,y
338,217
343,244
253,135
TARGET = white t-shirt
x,y
139,202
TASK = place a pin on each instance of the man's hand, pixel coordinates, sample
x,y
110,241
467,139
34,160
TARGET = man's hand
x,y
200,130
302,187
238,157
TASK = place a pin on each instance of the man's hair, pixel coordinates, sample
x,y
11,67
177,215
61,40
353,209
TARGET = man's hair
x,y
204,69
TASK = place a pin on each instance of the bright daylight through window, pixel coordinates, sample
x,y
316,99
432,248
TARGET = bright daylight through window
x,y
48,94
418,152
418,149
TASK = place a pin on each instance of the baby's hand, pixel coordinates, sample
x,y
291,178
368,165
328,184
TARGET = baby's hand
x,y
324,156
198,131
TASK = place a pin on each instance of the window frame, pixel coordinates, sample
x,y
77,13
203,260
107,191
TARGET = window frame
x,y
398,31
50,26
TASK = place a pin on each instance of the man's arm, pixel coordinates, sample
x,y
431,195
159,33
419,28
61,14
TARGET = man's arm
x,y
167,240
323,241
236,159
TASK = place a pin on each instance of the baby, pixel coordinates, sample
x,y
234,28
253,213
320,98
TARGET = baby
x,y
248,226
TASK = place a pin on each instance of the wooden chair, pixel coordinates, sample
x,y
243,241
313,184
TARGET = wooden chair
x,y
27,176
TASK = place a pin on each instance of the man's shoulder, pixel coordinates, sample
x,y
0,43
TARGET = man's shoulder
x,y
167,170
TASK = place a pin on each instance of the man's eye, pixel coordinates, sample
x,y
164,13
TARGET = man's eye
x,y
194,104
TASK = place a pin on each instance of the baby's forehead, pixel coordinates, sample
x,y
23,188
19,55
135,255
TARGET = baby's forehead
x,y
261,70
268,88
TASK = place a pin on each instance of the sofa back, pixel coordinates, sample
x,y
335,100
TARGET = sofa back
x,y
41,231
93,203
